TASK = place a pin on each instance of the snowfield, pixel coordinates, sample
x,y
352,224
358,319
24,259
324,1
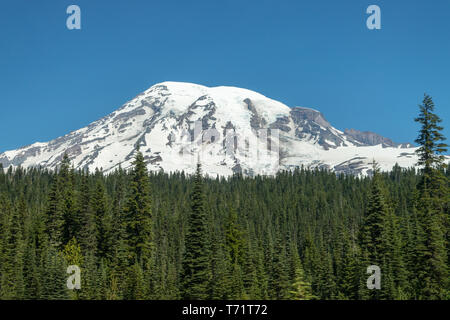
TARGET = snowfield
x,y
229,129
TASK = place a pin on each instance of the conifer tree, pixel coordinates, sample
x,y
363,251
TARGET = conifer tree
x,y
300,289
430,140
73,256
88,231
233,238
376,241
12,277
196,263
103,221
432,206
55,215
66,187
294,229
138,215
250,277
279,280
31,271
54,280
220,269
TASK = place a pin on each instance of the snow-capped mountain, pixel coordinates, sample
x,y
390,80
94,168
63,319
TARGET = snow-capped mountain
x,y
230,129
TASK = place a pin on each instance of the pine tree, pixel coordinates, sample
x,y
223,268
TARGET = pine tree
x,y
103,221
31,269
12,277
279,276
376,244
233,237
430,140
55,215
54,280
88,232
432,205
72,224
431,257
72,253
138,215
300,288
249,271
196,263
220,269
73,256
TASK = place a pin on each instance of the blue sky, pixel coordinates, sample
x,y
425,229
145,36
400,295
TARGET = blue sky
x,y
316,54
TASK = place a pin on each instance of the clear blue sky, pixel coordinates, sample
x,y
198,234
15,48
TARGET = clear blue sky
x,y
315,54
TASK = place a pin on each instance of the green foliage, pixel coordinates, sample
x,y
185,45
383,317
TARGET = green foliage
x,y
138,215
305,234
196,263
432,205
300,288
380,244
72,253
430,139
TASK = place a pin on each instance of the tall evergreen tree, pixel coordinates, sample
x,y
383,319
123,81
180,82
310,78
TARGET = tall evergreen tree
x,y
54,276
430,140
103,221
55,215
72,221
376,237
196,263
88,231
432,206
12,278
233,237
300,289
138,215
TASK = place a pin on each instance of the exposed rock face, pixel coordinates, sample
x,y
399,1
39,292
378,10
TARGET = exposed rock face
x,y
233,130
373,139
312,125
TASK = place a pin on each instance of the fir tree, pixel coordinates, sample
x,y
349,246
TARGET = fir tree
x,y
376,237
88,231
196,264
138,215
430,141
432,205
300,288
66,187
73,256
55,215
279,280
103,221
12,277
54,276
233,238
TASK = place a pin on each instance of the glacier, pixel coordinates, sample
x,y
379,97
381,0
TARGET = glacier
x,y
229,129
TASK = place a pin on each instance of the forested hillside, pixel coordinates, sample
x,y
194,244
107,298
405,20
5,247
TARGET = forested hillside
x,y
299,235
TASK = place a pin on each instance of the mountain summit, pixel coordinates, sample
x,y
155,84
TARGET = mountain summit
x,y
230,129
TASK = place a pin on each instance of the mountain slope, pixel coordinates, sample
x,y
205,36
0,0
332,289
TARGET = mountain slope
x,y
229,129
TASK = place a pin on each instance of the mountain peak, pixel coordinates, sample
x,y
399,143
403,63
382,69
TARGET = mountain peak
x,y
173,122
